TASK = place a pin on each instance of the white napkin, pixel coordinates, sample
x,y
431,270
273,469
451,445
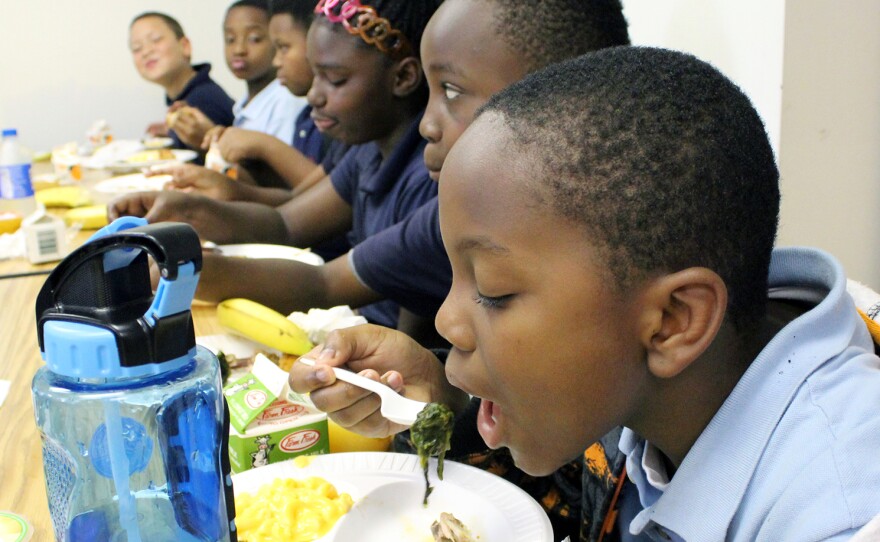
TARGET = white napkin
x,y
319,322
12,245
113,152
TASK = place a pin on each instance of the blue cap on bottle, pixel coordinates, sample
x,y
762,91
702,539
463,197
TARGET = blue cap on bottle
x,y
10,132
97,316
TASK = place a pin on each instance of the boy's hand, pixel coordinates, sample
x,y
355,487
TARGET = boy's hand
x,y
157,129
212,135
403,364
198,180
189,123
155,206
237,144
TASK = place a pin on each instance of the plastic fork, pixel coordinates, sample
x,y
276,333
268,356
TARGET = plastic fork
x,y
395,407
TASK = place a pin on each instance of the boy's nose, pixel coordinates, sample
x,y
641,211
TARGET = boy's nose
x,y
315,97
430,130
452,326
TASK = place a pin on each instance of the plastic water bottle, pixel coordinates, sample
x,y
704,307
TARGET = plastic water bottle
x,y
131,413
16,189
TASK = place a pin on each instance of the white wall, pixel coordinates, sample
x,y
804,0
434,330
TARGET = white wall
x,y
812,70
743,39
66,64
830,157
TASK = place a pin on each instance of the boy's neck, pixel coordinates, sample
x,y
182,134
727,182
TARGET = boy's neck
x,y
255,86
177,81
680,408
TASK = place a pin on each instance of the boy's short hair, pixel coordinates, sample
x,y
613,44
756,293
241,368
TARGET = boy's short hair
x,y
301,11
548,31
262,5
662,160
169,20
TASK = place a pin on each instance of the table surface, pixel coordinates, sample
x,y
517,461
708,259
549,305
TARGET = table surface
x,y
22,483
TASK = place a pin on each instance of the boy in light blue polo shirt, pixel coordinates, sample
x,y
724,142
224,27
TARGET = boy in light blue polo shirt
x,y
267,106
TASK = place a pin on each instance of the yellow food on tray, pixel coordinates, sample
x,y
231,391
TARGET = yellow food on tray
x,y
63,196
290,510
152,155
89,218
9,222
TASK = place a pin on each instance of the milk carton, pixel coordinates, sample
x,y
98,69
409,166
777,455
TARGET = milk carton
x,y
269,422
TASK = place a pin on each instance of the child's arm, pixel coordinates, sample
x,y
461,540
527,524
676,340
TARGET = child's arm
x,y
284,285
291,165
201,180
395,357
218,221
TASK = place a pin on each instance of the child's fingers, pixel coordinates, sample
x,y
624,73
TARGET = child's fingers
x,y
212,135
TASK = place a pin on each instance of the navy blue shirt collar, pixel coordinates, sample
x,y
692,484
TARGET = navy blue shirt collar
x,y
394,166
201,76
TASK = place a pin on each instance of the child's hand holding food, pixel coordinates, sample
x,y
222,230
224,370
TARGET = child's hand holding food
x,y
381,354
198,180
238,144
189,123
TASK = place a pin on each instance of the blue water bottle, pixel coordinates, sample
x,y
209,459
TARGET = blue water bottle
x,y
131,413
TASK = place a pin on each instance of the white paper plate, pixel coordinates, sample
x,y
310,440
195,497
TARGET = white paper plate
x,y
135,182
180,155
261,251
157,142
388,488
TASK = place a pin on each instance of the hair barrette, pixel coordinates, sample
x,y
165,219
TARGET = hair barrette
x,y
363,21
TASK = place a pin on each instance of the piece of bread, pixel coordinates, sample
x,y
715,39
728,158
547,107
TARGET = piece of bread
x,y
172,116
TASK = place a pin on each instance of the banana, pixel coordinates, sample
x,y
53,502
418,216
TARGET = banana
x,y
263,325
89,218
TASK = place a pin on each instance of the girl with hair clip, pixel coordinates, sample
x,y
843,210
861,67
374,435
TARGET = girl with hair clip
x,y
368,91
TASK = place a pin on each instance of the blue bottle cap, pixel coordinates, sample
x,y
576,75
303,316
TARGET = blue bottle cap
x,y
97,316
10,132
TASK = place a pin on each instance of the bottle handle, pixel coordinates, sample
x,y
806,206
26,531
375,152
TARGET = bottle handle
x,y
105,284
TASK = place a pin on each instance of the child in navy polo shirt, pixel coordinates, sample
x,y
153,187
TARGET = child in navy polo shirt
x,y
467,59
366,92
161,53
603,275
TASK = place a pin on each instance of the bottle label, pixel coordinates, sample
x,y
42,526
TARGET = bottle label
x,y
15,181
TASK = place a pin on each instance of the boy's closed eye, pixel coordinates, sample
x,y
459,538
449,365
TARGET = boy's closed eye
x,y
493,302
336,80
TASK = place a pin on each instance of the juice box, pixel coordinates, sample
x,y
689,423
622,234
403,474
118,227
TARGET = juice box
x,y
269,422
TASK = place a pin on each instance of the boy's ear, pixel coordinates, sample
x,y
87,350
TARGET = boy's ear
x,y
682,314
407,76
187,47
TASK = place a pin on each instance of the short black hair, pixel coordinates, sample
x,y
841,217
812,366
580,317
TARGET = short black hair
x,y
169,20
262,5
548,31
301,11
662,160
